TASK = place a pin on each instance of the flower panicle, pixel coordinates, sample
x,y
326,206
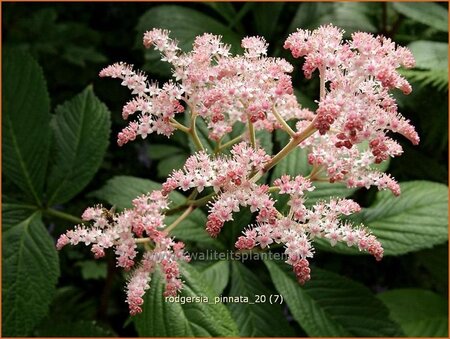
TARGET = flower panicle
x,y
122,231
221,88
301,226
349,134
357,111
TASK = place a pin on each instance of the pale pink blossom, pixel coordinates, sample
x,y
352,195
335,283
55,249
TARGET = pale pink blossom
x,y
298,229
121,231
356,110
355,114
157,106
222,89
230,178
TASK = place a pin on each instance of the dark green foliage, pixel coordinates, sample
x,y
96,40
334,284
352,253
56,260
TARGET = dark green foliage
x,y
28,259
162,318
77,155
26,117
332,305
420,313
415,220
256,318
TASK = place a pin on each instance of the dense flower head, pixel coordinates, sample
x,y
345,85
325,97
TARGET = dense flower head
x,y
345,138
356,110
157,106
121,231
363,56
354,166
229,176
302,225
221,88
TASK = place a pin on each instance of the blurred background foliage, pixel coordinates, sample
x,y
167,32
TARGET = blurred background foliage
x,y
73,41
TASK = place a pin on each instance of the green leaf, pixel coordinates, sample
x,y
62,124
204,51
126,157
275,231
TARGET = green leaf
x,y
79,55
330,305
74,303
255,319
25,124
430,54
416,164
30,271
265,18
162,318
161,151
264,138
72,328
185,24
168,165
81,130
294,164
193,229
216,273
435,261
420,313
351,17
121,190
15,213
434,133
92,269
238,18
52,40
225,9
305,101
415,220
233,229
437,78
430,13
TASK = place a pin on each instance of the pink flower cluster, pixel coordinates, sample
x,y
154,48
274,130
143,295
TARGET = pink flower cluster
x,y
121,231
222,89
230,178
157,105
356,108
300,226
347,137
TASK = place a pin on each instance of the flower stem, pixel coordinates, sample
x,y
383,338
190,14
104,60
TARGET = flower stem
x,y
297,139
201,201
179,126
322,82
179,219
229,143
273,189
141,240
193,133
251,133
283,123
61,215
313,175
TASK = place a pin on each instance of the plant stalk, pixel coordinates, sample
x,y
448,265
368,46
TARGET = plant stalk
x,y
179,219
251,133
61,215
283,123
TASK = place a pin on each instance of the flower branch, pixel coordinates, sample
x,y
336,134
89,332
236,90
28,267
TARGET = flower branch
x,y
355,109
